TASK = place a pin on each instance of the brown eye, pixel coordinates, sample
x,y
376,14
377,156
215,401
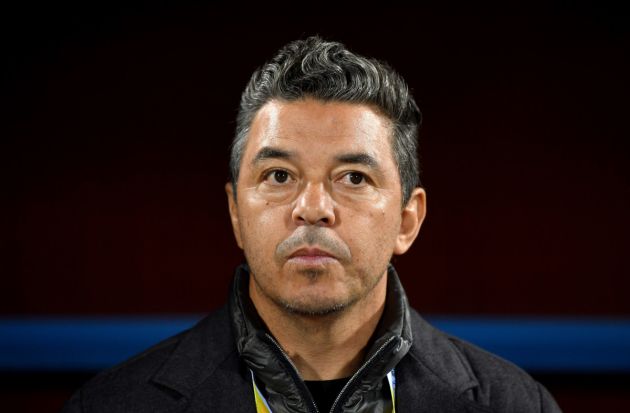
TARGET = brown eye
x,y
280,176
356,178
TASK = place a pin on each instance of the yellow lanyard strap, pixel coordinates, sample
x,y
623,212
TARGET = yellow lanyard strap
x,y
261,403
263,407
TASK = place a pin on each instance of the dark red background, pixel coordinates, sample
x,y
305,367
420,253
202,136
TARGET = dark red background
x,y
119,119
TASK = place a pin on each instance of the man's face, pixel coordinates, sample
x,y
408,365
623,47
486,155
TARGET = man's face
x,y
318,211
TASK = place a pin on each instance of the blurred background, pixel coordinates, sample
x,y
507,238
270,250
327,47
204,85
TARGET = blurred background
x,y
114,149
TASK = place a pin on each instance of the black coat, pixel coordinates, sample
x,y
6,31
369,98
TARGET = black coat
x,y
200,370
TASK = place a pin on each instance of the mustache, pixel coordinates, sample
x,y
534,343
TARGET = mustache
x,y
313,236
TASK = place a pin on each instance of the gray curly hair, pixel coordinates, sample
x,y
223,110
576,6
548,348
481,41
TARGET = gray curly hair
x,y
328,71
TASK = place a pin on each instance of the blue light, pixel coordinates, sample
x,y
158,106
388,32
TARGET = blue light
x,y
552,345
549,345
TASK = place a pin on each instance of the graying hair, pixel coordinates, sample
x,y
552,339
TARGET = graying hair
x,y
327,71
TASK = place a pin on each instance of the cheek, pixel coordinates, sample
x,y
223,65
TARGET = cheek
x,y
262,224
373,233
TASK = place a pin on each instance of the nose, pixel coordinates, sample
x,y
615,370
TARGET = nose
x,y
314,206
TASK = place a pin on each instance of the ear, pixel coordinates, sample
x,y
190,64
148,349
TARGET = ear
x,y
236,226
412,216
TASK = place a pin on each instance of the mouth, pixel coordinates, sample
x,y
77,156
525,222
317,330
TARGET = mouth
x,y
311,256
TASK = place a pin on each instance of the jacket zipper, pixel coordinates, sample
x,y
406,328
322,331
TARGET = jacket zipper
x,y
298,377
358,372
296,374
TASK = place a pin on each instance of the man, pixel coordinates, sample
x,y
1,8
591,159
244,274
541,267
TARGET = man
x,y
324,190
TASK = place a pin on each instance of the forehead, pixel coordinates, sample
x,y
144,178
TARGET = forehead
x,y
314,127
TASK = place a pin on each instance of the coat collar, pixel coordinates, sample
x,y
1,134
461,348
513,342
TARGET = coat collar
x,y
248,326
264,357
432,368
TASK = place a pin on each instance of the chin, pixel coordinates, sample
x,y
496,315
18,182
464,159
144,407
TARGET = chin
x,y
316,305
314,310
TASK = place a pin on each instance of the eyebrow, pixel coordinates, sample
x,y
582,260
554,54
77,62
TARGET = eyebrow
x,y
361,158
358,158
269,152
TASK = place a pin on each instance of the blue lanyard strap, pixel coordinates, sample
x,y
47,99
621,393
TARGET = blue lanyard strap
x,y
263,407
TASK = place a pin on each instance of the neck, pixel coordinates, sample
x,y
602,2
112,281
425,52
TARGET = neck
x,y
324,347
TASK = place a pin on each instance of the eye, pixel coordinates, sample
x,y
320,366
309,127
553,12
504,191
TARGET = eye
x,y
355,178
277,176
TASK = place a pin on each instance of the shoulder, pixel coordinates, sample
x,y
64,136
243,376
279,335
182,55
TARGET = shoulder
x,y
162,377
475,374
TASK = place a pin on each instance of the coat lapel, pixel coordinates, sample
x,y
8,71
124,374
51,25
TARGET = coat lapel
x,y
418,390
433,376
226,390
204,372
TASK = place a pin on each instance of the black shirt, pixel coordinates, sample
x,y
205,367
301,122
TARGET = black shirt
x,y
325,392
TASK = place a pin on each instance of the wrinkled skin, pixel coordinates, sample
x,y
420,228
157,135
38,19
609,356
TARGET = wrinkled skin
x,y
318,208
